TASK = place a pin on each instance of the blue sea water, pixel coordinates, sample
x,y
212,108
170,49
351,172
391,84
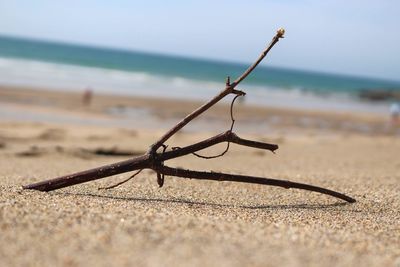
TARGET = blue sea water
x,y
74,67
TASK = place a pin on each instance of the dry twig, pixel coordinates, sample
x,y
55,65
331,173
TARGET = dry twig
x,y
155,160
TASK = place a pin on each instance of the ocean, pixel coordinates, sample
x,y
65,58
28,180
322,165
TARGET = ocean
x,y
61,66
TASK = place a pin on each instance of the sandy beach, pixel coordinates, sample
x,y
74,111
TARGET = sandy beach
x,y
45,134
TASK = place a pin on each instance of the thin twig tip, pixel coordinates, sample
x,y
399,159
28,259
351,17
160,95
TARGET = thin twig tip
x,y
280,32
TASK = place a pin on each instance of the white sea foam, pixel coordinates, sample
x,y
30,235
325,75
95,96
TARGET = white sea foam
x,y
20,72
276,97
75,78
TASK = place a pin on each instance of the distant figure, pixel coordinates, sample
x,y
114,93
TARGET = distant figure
x,y
87,97
395,113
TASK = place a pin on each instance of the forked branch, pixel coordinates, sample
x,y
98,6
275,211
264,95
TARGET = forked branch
x,y
154,160
229,89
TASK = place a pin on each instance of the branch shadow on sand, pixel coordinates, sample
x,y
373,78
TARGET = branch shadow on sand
x,y
210,204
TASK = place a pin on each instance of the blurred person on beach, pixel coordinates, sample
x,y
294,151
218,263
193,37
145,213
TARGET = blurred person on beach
x,y
395,113
87,96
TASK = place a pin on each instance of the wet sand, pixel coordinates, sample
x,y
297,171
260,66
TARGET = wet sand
x,y
189,222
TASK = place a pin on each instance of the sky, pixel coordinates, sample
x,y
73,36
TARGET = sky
x,y
358,37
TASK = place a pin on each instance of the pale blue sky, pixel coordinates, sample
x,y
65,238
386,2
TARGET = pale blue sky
x,y
354,37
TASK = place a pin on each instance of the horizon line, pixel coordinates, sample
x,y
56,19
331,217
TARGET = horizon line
x,y
192,58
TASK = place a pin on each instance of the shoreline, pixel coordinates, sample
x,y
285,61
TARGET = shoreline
x,y
144,83
162,113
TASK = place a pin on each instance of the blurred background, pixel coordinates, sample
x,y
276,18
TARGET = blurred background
x,y
336,56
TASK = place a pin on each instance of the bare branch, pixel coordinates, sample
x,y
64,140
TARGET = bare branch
x,y
279,34
141,162
155,160
218,176
230,88
227,136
